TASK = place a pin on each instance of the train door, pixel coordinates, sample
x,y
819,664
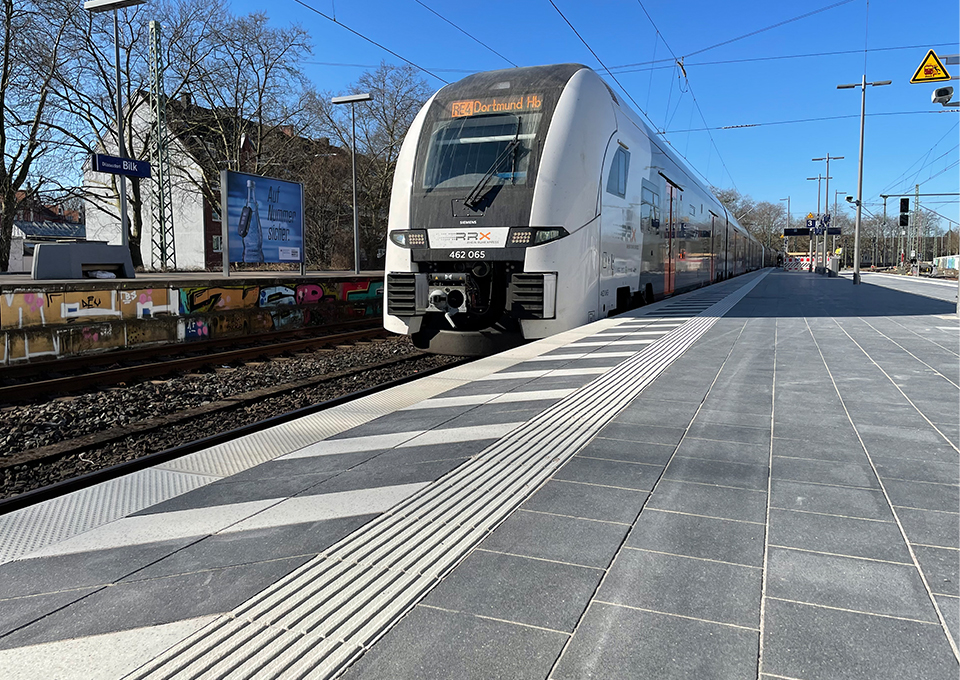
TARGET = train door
x,y
674,196
712,251
726,248
620,234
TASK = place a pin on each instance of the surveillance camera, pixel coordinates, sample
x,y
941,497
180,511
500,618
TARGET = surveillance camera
x,y
849,199
942,95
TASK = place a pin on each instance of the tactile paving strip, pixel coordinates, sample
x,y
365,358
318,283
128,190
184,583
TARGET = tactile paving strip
x,y
317,620
23,531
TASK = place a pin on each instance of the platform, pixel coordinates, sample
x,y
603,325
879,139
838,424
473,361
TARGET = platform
x,y
758,479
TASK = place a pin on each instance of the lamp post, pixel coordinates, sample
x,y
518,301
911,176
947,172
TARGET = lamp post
x,y
826,203
352,99
863,107
96,6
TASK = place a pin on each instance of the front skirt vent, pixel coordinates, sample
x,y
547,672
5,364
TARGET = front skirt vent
x,y
402,294
532,296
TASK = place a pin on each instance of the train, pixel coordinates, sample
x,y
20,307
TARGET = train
x,y
533,200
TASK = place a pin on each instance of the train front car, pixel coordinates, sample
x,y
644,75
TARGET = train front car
x,y
492,236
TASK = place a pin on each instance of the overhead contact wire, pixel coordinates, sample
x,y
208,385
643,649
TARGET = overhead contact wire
x,y
370,40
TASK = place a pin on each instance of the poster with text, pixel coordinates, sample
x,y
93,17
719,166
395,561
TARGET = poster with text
x,y
264,218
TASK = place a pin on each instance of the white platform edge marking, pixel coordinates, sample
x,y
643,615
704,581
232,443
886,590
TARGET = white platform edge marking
x,y
359,588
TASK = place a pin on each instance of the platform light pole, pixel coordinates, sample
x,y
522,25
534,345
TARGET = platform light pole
x,y
815,245
826,202
352,99
96,6
863,107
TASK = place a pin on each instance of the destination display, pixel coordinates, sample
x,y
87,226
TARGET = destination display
x,y
509,104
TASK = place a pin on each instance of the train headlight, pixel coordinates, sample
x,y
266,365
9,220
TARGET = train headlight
x,y
534,236
409,238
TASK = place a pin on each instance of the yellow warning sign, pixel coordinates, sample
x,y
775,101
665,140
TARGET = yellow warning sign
x,y
810,216
931,70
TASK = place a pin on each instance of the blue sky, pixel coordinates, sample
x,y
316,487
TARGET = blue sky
x,y
918,144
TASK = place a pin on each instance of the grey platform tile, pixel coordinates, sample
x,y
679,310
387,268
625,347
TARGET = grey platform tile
x,y
494,414
614,643
375,474
840,473
950,608
931,528
724,473
847,583
650,434
796,424
803,641
562,539
840,535
147,603
254,545
587,501
425,453
431,644
832,500
518,589
637,476
78,570
662,416
735,452
701,589
940,566
557,382
694,536
724,414
21,611
923,495
403,421
628,451
710,500
228,492
918,471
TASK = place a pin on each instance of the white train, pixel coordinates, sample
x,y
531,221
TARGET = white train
x,y
532,200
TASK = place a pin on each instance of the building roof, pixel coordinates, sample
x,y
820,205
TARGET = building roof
x,y
51,230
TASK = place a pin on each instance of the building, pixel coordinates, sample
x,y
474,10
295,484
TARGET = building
x,y
202,142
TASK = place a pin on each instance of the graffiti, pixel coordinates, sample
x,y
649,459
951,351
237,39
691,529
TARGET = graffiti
x,y
274,296
37,323
218,299
196,329
287,318
309,294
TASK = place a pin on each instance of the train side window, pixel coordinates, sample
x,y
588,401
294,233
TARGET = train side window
x,y
617,180
649,208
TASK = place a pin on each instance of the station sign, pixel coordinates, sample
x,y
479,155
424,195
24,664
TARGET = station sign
x,y
131,167
811,222
931,70
833,231
796,232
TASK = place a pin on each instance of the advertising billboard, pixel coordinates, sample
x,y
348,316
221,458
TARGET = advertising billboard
x,y
262,218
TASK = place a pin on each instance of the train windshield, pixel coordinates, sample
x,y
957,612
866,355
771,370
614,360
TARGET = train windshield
x,y
462,151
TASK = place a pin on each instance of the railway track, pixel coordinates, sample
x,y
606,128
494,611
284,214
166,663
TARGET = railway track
x,y
98,449
26,385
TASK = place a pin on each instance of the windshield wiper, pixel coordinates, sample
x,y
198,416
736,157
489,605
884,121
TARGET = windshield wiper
x,y
476,194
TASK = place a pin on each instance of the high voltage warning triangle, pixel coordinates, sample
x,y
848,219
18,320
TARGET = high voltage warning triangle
x,y
931,70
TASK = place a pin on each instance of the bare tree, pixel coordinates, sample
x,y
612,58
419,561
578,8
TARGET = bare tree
x,y
399,92
31,57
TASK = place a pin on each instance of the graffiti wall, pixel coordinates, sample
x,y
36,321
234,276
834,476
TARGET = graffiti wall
x,y
38,323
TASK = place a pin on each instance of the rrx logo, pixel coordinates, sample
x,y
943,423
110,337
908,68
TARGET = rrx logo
x,y
471,236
